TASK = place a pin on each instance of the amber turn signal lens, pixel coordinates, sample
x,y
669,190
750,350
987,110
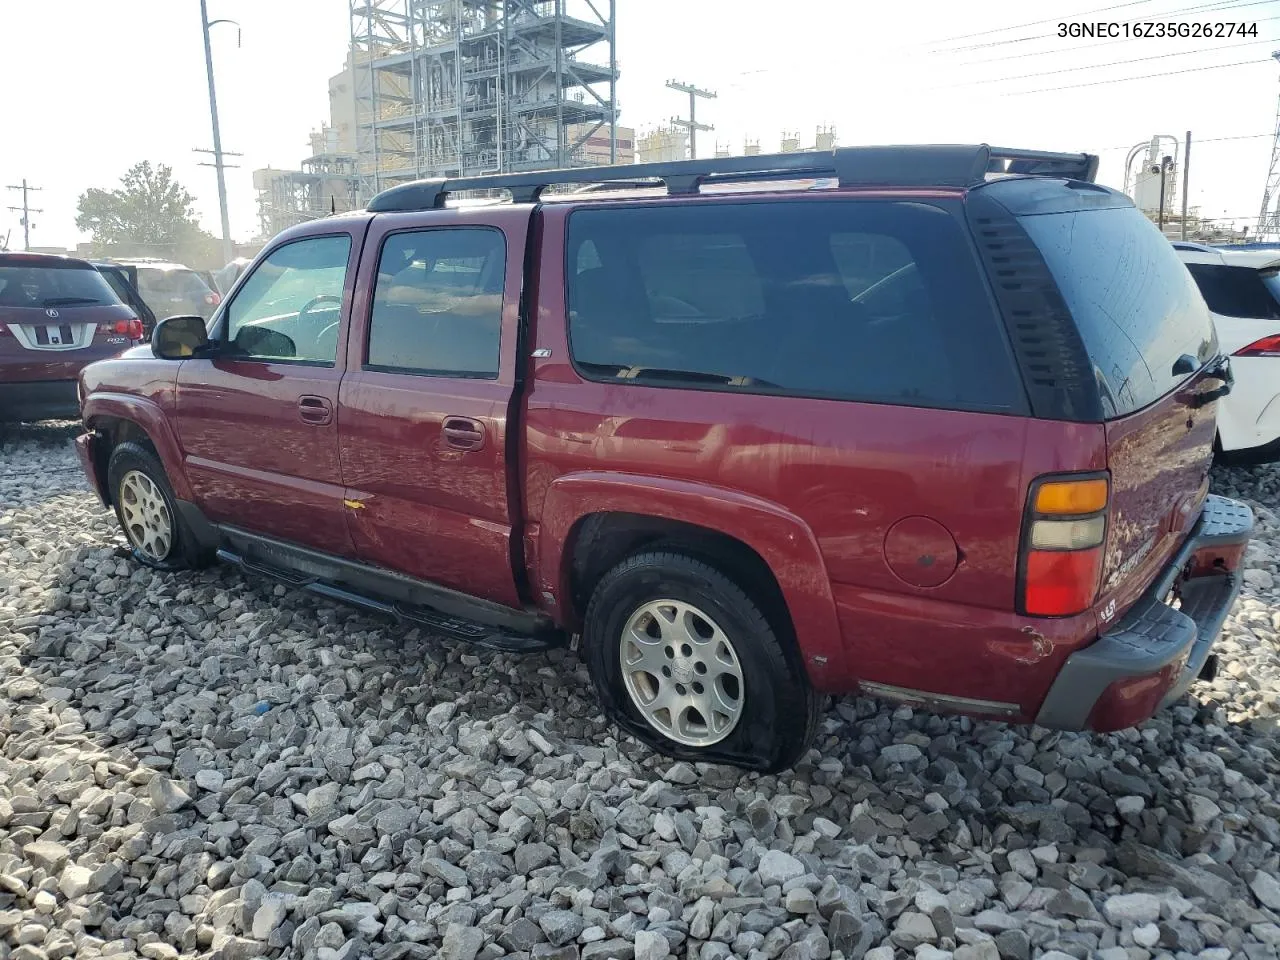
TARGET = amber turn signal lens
x,y
1071,496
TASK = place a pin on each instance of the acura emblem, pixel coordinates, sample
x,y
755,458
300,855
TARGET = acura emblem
x,y
51,313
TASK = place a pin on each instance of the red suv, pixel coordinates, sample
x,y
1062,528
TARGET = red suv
x,y
932,423
56,315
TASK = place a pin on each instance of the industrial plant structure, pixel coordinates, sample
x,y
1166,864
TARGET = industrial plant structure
x,y
451,88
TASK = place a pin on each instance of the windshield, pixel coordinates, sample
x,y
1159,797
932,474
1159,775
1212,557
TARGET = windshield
x,y
53,285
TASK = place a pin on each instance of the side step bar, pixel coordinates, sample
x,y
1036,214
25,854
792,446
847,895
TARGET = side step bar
x,y
454,627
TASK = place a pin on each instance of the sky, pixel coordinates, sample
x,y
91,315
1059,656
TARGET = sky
x,y
88,88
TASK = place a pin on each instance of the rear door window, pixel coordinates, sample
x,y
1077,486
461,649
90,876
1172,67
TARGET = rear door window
x,y
1236,291
437,305
1135,304
861,300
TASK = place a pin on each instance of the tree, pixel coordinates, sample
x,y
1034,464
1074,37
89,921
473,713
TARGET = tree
x,y
149,211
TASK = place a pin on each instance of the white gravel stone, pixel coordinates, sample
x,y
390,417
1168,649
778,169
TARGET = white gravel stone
x,y
206,764
1132,908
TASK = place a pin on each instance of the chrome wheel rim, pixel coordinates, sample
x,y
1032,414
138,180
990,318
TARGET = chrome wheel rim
x,y
681,672
147,522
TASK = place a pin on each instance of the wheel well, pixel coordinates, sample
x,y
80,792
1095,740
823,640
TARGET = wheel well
x,y
115,431
600,541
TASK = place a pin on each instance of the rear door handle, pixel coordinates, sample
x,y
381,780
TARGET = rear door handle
x,y
463,433
315,410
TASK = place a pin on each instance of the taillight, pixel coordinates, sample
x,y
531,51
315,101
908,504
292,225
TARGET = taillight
x,y
212,299
1266,347
1062,546
3,330
131,328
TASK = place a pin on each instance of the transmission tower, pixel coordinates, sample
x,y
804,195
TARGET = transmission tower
x,y
1269,217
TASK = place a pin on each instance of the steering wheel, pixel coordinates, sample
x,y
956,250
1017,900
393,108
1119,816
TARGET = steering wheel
x,y
327,341
313,302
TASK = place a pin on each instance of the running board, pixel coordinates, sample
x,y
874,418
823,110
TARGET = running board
x,y
454,627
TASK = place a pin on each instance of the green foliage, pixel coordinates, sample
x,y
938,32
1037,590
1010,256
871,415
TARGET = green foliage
x,y
149,214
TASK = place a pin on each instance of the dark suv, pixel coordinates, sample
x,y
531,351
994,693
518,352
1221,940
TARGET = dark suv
x,y
56,315
932,423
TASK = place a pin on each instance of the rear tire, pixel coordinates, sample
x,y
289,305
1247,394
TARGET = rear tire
x,y
684,661
147,510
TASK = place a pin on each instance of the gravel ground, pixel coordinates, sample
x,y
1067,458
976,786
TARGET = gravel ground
x,y
202,765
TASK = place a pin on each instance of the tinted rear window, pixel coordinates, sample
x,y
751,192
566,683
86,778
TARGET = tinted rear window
x,y
1236,291
859,300
53,286
171,283
1135,304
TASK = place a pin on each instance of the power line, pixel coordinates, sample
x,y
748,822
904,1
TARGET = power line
x,y
1087,46
1036,23
1243,136
1116,63
1149,76
1218,6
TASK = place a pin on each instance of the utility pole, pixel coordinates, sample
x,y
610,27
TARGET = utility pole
x,y
1186,177
691,124
26,211
228,248
1165,163
1268,218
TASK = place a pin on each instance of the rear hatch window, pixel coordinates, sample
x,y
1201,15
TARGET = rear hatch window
x,y
1135,304
172,284
1239,291
53,284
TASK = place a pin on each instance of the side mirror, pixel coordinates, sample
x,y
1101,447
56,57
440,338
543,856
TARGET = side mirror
x,y
264,342
177,338
1184,365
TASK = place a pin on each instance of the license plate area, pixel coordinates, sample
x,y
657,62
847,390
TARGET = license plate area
x,y
55,335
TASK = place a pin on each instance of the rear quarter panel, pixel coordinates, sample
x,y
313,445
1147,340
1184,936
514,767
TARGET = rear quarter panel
x,y
814,486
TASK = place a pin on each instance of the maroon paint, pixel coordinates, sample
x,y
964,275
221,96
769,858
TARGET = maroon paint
x,y
428,509
1159,461
834,496
253,456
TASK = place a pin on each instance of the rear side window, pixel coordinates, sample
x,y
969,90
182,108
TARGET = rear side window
x,y
53,286
437,306
1236,291
1135,304
859,300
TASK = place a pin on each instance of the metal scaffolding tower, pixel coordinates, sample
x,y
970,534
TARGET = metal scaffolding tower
x,y
458,88
1269,217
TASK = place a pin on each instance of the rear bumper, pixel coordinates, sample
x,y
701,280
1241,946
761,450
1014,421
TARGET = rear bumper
x,y
39,400
1150,657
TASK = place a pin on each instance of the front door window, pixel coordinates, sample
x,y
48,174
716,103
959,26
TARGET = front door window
x,y
289,308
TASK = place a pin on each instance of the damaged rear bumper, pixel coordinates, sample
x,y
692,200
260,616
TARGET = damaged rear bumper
x,y
1153,653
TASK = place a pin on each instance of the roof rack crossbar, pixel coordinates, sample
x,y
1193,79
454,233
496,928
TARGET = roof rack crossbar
x,y
923,165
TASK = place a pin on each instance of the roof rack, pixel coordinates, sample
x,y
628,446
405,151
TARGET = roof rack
x,y
931,165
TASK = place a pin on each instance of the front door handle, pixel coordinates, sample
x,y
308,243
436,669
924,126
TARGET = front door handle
x,y
315,410
463,433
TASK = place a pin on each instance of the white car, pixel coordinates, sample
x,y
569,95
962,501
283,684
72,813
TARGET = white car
x,y
1242,289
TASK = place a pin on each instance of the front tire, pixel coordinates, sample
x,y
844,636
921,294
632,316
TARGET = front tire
x,y
147,511
684,661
